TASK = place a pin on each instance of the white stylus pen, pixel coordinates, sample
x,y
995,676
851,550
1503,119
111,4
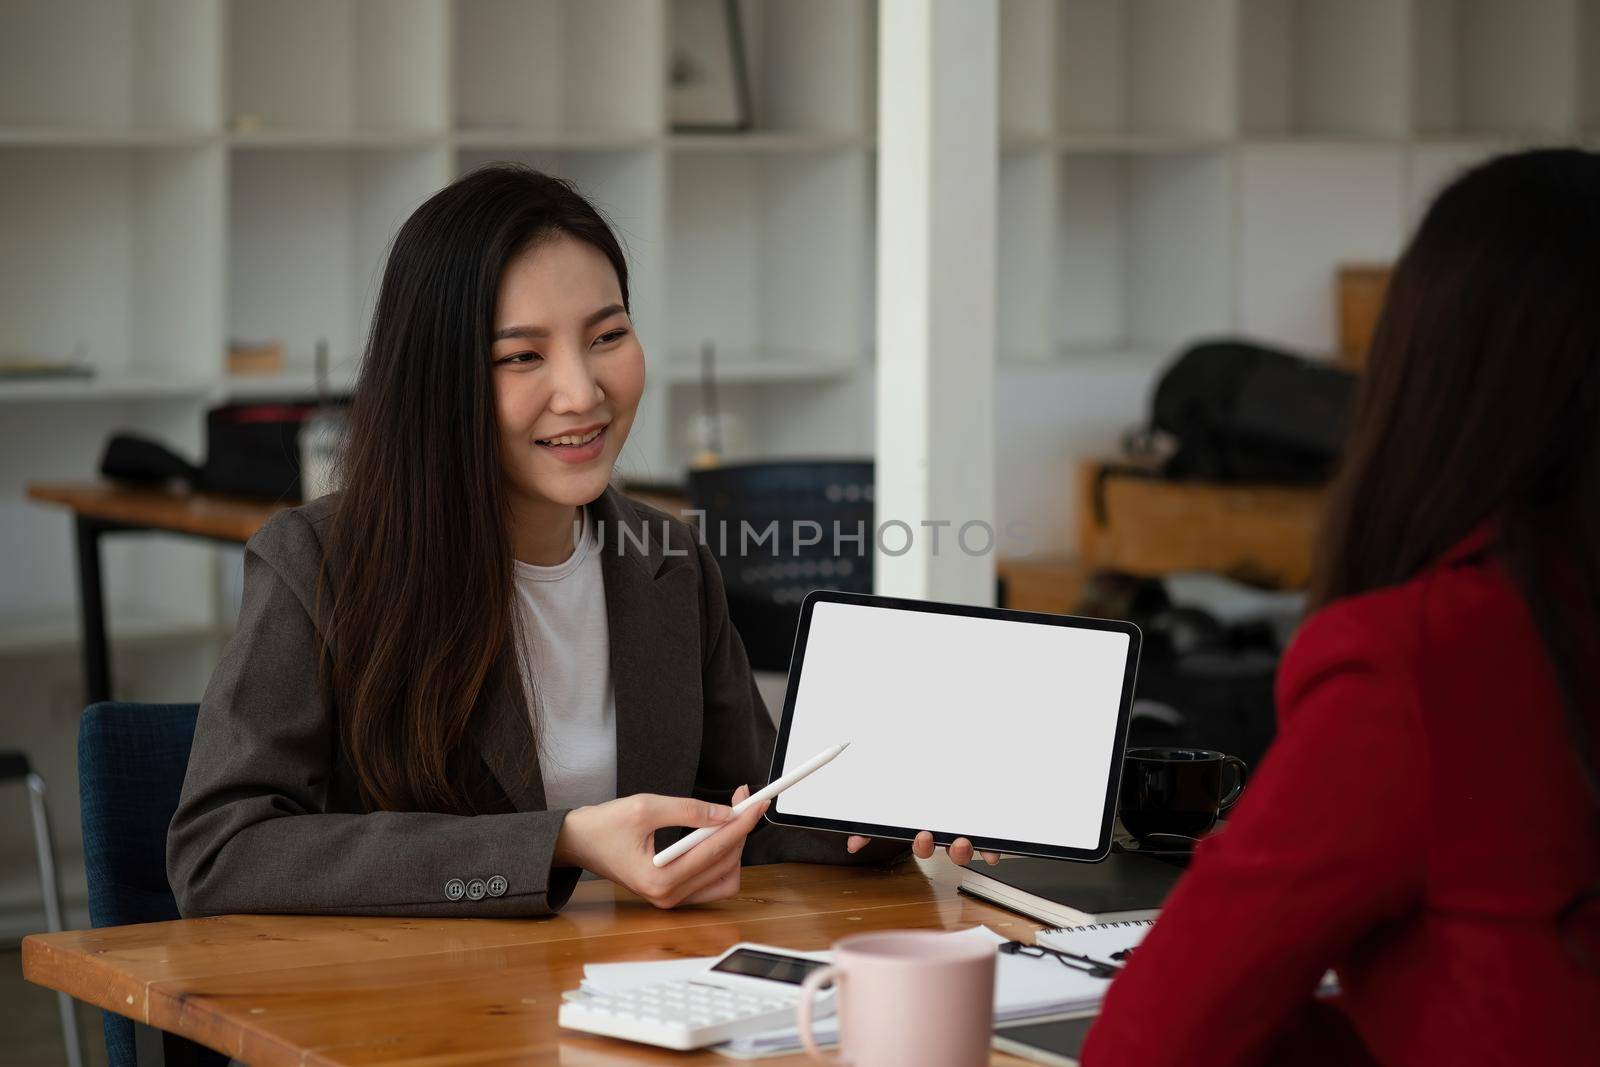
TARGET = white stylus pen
x,y
766,792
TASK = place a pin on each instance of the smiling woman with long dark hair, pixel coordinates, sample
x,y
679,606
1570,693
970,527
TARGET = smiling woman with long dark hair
x,y
480,669
1428,822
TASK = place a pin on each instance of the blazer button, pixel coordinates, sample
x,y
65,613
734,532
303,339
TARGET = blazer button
x,y
455,889
476,889
497,886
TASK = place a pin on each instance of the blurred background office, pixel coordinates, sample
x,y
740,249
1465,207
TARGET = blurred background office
x,y
196,197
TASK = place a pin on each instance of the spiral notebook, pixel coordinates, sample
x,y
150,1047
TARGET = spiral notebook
x,y
1113,942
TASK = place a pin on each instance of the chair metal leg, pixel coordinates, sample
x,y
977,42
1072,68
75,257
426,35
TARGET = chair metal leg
x,y
44,844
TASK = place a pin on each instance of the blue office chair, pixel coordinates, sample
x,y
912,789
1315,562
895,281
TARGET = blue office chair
x,y
131,762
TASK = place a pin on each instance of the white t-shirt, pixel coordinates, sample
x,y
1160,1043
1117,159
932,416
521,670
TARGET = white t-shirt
x,y
562,611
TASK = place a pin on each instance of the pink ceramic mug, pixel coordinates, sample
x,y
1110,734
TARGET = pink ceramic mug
x,y
910,998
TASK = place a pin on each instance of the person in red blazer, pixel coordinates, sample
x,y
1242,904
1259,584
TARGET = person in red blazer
x,y
1426,823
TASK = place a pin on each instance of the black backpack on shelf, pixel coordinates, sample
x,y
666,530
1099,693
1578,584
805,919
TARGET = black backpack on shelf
x,y
1241,412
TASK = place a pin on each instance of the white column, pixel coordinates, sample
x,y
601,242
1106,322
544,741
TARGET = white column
x,y
938,157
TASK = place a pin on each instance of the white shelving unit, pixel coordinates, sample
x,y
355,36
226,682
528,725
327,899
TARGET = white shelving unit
x,y
174,173
1176,169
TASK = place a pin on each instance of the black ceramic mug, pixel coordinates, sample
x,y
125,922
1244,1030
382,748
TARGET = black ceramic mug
x,y
1177,791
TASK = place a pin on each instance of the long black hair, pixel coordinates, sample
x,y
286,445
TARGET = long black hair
x,y
1481,404
419,587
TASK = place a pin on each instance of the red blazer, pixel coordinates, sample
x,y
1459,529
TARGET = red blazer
x,y
1416,826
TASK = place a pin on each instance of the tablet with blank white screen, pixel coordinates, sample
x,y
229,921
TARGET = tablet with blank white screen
x,y
1003,727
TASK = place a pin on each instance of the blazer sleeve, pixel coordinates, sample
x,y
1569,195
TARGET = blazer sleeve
x,y
738,740
1319,854
252,832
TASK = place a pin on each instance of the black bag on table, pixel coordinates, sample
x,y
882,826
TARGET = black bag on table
x,y
252,450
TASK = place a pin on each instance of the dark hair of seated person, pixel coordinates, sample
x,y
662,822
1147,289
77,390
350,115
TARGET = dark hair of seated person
x,y
422,602
1480,402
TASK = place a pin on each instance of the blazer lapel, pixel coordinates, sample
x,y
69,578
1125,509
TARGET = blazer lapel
x,y
503,736
652,613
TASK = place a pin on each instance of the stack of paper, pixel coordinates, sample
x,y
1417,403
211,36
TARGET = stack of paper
x,y
1025,987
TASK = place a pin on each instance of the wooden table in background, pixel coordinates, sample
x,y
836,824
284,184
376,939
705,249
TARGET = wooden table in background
x,y
296,990
101,508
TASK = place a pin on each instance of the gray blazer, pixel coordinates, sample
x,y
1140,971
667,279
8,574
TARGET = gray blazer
x,y
270,819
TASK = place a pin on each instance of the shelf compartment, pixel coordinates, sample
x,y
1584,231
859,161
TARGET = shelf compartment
x,y
336,65
592,67
1324,68
1305,211
114,252
770,253
1139,67
100,65
682,368
309,231
1025,265
1142,251
1496,67
820,418
812,66
1027,71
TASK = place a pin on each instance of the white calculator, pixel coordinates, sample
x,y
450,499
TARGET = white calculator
x,y
747,990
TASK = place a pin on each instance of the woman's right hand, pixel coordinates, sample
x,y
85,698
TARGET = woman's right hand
x,y
616,840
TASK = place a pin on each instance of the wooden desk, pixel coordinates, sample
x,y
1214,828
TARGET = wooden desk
x,y
296,990
101,508
218,518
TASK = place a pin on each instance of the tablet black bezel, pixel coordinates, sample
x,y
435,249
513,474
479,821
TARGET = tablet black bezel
x,y
1108,813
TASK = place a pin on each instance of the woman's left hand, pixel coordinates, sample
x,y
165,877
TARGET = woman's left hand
x,y
960,849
